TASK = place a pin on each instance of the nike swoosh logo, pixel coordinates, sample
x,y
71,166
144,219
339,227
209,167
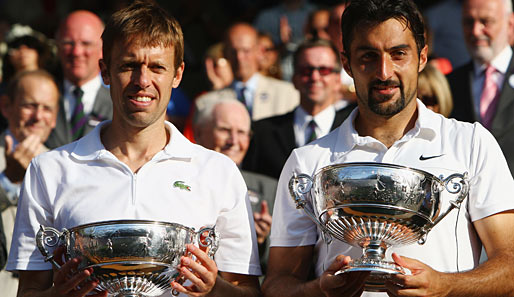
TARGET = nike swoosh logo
x,y
423,158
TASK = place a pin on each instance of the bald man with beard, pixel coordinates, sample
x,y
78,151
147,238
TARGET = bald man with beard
x,y
486,26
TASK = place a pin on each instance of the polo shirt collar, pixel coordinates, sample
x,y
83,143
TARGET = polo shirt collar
x,y
90,146
425,127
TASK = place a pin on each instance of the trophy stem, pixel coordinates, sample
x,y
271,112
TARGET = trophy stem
x,y
375,250
373,261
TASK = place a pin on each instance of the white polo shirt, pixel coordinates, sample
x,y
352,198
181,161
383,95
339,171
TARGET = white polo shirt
x,y
82,183
452,245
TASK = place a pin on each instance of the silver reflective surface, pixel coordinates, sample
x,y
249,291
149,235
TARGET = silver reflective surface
x,y
358,202
129,258
375,206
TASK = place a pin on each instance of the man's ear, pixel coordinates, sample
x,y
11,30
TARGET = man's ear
x,y
423,58
104,70
346,64
178,75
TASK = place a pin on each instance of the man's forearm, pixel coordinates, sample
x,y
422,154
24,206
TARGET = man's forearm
x,y
34,292
492,278
223,288
289,286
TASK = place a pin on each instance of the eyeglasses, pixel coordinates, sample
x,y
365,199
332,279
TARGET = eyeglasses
x,y
323,70
70,44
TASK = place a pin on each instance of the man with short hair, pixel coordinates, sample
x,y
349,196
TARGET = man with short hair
x,y
316,77
263,96
125,169
31,107
85,100
384,51
483,89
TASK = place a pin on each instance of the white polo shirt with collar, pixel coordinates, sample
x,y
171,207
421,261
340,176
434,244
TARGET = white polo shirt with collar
x,y
82,183
454,147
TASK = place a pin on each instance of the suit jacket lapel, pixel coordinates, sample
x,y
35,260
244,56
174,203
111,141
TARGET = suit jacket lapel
x,y
341,115
285,133
260,93
461,85
102,100
468,89
61,133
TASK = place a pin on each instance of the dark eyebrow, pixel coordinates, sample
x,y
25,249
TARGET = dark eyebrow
x,y
399,47
370,48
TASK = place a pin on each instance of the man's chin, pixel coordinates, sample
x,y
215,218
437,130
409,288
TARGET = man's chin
x,y
482,54
235,156
387,107
36,131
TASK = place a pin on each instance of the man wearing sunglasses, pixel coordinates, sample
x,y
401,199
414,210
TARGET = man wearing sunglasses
x,y
316,77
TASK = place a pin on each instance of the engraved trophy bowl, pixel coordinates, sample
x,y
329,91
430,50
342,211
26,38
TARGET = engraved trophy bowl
x,y
129,257
375,206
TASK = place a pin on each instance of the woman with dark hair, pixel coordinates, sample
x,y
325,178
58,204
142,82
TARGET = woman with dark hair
x,y
25,52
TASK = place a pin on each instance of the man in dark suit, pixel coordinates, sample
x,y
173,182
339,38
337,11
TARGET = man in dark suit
x,y
483,89
316,76
85,100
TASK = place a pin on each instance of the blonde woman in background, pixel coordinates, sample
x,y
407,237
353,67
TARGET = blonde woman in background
x,y
434,90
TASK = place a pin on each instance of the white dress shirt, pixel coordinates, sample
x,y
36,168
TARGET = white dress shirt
x,y
324,121
500,63
90,90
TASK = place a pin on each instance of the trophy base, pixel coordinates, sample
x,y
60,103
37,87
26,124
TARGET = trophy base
x,y
380,272
134,279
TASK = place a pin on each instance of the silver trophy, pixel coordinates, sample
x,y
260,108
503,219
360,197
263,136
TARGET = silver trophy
x,y
129,257
375,206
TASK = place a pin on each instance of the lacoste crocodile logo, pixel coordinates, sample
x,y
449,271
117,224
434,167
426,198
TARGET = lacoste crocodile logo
x,y
180,184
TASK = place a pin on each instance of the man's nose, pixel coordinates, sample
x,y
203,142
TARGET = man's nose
x,y
141,77
385,68
77,48
39,112
315,75
477,28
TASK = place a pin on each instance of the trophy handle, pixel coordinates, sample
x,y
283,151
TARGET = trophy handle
x,y
300,185
211,241
457,184
50,237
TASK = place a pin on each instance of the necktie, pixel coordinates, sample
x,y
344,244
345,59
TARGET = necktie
x,y
78,118
243,99
488,100
312,129
241,95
